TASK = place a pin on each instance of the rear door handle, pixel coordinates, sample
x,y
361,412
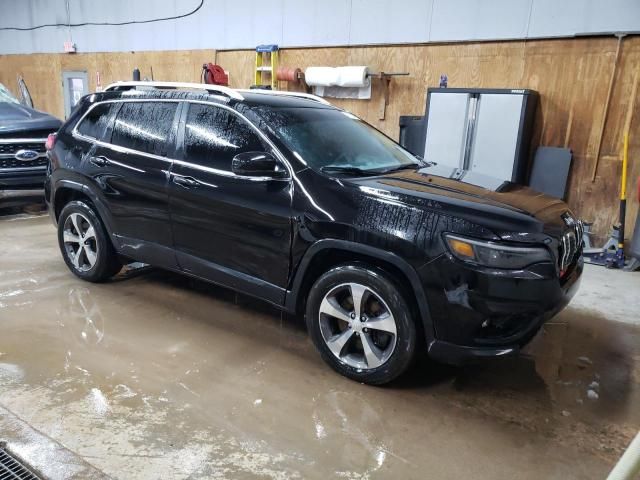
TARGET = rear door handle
x,y
99,161
186,182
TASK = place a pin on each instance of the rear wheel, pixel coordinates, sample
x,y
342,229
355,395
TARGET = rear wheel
x,y
84,243
361,324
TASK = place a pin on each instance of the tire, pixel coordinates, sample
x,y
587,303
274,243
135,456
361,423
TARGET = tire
x,y
330,315
84,243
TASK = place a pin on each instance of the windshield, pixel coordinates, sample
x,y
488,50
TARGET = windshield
x,y
6,95
336,141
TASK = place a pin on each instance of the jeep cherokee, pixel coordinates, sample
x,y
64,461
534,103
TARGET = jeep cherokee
x,y
286,198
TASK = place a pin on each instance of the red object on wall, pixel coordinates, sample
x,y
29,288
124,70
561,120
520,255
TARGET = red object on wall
x,y
288,74
214,74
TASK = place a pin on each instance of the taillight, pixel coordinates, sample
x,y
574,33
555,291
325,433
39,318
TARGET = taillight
x,y
51,141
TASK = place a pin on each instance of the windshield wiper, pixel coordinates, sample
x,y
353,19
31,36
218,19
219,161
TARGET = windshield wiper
x,y
410,166
345,169
407,166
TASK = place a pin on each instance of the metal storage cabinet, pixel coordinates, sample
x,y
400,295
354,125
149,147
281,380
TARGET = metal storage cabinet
x,y
447,128
483,130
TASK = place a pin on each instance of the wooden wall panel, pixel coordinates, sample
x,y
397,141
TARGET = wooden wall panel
x,y
571,76
43,72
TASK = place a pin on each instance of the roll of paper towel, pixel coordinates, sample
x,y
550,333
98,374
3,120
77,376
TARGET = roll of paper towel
x,y
353,77
321,76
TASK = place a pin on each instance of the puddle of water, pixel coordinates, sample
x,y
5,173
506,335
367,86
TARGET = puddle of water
x,y
155,374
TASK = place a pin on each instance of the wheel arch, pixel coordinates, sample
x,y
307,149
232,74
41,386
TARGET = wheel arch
x,y
69,190
328,253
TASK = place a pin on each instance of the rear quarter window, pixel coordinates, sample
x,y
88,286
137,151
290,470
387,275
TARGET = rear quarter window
x,y
95,122
145,127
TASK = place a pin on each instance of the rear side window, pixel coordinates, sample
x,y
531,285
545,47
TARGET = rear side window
x,y
95,123
145,126
213,136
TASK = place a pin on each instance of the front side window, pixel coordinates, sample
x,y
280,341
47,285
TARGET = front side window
x,y
145,126
94,124
329,139
214,135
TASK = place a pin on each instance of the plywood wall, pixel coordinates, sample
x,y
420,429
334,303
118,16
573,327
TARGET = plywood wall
x,y
571,75
43,72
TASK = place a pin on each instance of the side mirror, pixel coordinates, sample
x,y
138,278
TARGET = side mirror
x,y
257,164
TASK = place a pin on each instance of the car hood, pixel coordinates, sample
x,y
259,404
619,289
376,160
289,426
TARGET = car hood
x,y
16,118
481,196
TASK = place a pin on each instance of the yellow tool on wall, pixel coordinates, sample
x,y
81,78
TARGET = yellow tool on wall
x,y
625,159
612,254
266,66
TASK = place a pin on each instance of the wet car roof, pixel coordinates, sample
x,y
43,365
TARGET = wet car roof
x,y
250,98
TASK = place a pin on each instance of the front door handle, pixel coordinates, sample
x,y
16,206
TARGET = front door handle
x,y
99,161
186,182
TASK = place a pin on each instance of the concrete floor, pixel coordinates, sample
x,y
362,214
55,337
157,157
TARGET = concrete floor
x,y
158,376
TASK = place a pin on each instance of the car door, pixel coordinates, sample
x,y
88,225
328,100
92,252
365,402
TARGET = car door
x,y
131,167
230,229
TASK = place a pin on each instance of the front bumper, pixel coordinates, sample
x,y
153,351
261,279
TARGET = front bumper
x,y
23,179
479,313
16,188
23,193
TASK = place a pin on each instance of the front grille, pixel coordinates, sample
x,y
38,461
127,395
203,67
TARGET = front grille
x,y
570,244
12,148
14,163
11,468
9,147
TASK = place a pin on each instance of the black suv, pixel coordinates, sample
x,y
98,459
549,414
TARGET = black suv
x,y
23,159
283,197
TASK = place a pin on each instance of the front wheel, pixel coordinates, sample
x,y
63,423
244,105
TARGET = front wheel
x,y
361,324
84,243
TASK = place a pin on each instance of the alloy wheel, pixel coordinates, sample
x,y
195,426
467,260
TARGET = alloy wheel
x,y
80,243
357,326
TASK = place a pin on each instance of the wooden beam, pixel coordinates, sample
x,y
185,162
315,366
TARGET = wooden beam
x,y
567,134
606,107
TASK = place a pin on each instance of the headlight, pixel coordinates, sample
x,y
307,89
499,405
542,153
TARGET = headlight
x,y
495,255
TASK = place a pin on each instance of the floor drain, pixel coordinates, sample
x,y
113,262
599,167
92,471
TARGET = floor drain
x,y
11,468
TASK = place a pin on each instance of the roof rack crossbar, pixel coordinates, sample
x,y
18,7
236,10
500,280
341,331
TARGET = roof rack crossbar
x,y
229,92
285,93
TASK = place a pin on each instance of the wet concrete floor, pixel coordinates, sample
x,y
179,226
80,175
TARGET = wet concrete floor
x,y
158,376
